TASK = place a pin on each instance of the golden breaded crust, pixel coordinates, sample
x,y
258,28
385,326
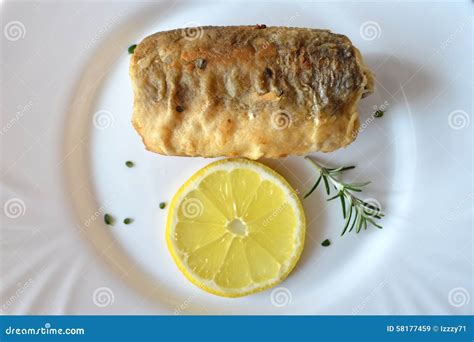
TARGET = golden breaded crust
x,y
247,91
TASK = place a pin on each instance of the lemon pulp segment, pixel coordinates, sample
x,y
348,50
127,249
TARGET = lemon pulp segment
x,y
235,227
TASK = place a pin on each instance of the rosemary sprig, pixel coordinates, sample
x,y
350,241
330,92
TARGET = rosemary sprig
x,y
357,213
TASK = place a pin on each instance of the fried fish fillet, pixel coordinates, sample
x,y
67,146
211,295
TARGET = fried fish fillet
x,y
247,91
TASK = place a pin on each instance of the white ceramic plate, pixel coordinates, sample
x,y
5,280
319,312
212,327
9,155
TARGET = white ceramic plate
x,y
66,133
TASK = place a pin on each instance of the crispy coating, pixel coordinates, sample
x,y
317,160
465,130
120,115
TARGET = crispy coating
x,y
247,91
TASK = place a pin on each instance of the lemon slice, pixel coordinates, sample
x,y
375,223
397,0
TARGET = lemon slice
x,y
235,227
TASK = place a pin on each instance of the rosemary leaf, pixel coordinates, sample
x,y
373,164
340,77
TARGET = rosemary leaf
x,y
350,187
373,222
358,185
343,205
348,219
314,187
345,168
326,184
359,223
357,213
